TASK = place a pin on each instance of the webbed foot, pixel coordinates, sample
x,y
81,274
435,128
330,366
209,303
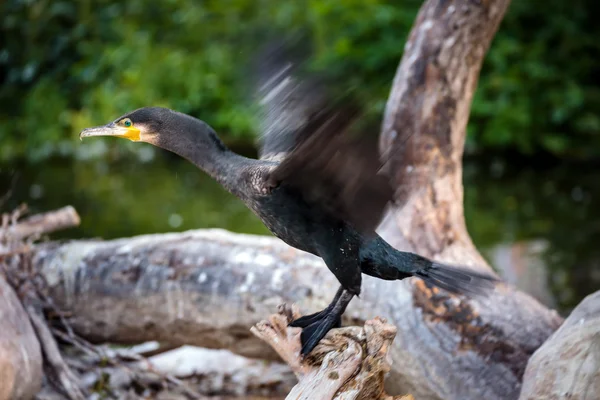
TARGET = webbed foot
x,y
315,326
313,333
308,320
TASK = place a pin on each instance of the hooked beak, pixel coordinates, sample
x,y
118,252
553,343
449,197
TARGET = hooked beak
x,y
112,129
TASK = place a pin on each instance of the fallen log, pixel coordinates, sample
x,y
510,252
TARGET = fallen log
x,y
208,287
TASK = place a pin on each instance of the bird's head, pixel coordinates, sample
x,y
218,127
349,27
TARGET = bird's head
x,y
179,133
142,125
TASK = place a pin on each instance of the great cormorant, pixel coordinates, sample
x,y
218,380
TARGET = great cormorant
x,y
315,186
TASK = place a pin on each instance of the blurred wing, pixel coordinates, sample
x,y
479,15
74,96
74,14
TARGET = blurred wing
x,y
287,102
338,168
322,154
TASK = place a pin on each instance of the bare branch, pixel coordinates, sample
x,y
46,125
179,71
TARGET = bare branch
x,y
56,368
39,224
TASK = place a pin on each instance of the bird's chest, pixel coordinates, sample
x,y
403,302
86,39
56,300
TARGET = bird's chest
x,y
294,221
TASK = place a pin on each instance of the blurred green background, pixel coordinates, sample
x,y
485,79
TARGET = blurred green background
x,y
532,150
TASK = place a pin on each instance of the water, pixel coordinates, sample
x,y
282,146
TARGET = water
x,y
540,227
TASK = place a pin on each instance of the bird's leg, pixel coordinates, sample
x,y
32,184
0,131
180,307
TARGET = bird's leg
x,y
306,320
313,333
341,255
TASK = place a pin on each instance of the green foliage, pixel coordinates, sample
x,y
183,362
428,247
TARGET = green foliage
x,y
67,64
538,89
129,197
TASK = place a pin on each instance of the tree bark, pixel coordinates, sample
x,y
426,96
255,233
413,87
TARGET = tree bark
x,y
20,354
207,288
349,363
203,288
39,224
567,366
424,126
423,133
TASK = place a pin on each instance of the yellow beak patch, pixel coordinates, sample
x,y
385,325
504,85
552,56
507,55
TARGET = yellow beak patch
x,y
132,133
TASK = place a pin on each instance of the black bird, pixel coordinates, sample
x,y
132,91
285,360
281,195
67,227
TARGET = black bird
x,y
317,186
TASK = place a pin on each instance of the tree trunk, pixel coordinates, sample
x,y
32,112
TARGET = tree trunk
x,y
424,126
424,132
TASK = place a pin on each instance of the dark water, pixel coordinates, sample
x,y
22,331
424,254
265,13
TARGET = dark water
x,y
540,227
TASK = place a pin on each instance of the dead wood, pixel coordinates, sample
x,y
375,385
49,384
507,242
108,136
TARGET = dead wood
x,y
207,288
349,363
567,366
39,224
20,354
56,368
38,347
424,126
28,348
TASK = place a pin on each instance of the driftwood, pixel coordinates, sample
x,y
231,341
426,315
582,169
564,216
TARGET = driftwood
x,y
40,224
56,367
21,345
349,363
30,357
20,354
207,288
424,126
567,366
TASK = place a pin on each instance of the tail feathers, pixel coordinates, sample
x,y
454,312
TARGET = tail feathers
x,y
458,280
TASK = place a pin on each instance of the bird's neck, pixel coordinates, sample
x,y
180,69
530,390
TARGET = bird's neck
x,y
200,145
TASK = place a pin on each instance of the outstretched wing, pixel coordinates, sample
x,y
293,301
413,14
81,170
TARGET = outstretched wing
x,y
287,101
323,153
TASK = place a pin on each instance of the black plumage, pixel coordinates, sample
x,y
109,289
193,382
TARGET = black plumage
x,y
318,185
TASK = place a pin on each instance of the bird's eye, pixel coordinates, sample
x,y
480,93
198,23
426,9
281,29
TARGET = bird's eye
x,y
127,122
